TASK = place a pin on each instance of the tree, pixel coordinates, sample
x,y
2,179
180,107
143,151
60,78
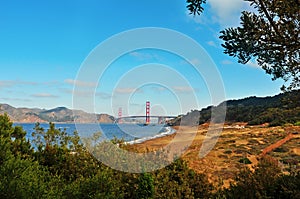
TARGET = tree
x,y
20,175
12,140
145,187
25,178
177,180
259,183
62,153
270,35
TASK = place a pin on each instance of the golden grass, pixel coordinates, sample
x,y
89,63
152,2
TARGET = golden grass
x,y
222,162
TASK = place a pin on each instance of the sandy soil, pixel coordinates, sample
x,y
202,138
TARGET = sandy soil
x,y
296,151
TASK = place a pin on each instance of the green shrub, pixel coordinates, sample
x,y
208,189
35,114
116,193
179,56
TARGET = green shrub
x,y
245,161
297,123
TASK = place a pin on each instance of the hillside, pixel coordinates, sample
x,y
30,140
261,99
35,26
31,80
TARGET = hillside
x,y
276,110
59,114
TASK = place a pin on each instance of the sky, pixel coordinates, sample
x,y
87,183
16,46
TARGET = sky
x,y
45,47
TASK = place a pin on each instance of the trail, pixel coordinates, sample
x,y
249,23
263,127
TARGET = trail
x,y
277,144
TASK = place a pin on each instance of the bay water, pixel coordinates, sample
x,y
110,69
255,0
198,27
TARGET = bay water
x,y
130,133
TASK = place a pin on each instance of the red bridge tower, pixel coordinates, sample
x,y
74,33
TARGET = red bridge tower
x,y
147,112
120,115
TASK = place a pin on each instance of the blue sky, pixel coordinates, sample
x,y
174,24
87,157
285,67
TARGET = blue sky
x,y
43,44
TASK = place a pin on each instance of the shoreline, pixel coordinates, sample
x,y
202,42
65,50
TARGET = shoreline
x,y
158,142
170,131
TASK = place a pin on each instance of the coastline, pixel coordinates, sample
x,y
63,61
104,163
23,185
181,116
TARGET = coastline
x,y
168,132
161,141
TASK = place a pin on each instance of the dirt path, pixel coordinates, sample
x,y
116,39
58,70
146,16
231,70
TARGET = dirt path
x,y
277,144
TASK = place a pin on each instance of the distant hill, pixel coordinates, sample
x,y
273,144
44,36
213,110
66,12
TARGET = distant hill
x,y
59,114
276,110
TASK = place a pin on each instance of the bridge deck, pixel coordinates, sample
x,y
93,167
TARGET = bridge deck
x,y
143,119
142,116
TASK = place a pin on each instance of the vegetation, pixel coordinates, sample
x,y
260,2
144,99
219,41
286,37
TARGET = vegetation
x,y
278,110
266,181
245,161
56,165
269,34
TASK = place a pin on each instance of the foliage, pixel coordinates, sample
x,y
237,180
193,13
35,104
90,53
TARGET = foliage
x,y
269,34
287,186
195,6
100,185
145,186
245,161
21,176
12,140
60,167
266,181
26,179
277,110
178,181
63,154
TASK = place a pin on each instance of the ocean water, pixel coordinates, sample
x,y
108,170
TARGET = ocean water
x,y
131,133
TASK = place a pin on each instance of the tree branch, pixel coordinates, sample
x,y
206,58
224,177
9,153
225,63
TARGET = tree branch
x,y
263,7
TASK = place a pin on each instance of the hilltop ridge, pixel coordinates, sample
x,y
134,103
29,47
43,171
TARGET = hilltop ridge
x,y
58,114
274,110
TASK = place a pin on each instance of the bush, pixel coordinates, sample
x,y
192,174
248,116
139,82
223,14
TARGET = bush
x,y
258,184
281,150
245,161
228,151
276,122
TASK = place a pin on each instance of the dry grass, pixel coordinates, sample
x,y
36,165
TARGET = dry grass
x,y
222,162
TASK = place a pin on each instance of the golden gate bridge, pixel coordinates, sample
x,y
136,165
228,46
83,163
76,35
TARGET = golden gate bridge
x,y
143,119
